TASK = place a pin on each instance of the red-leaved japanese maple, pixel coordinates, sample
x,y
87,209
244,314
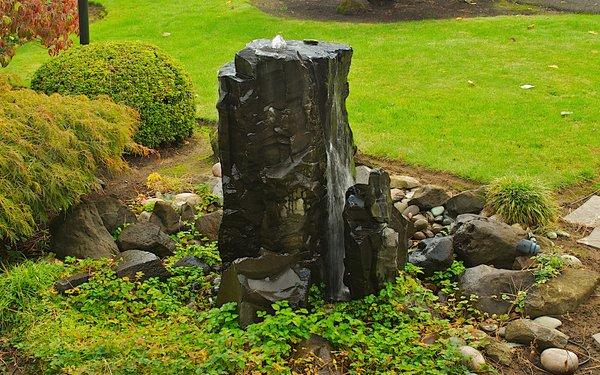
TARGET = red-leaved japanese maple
x,y
48,21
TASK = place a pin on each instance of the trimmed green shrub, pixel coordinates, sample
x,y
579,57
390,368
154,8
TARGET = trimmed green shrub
x,y
52,148
520,200
132,73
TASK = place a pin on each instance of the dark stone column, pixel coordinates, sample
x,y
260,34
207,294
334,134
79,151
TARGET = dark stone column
x,y
282,121
376,236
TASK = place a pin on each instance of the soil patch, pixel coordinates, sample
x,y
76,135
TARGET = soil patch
x,y
391,11
96,12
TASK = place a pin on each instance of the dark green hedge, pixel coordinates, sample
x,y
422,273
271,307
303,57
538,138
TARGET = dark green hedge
x,y
51,150
132,73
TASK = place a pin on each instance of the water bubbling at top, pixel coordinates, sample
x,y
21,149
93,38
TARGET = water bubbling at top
x,y
278,42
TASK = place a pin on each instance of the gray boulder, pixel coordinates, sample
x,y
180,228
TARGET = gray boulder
x,y
433,254
467,202
209,224
147,237
525,331
114,214
80,233
483,241
557,296
132,262
429,196
165,216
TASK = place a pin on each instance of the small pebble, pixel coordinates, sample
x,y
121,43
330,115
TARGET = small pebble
x,y
489,327
216,170
447,221
421,224
397,194
437,211
548,321
438,219
562,233
419,236
513,345
437,228
501,331
472,358
552,235
400,206
596,338
429,233
411,211
559,361
571,261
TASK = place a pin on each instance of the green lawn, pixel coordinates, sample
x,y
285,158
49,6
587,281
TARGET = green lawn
x,y
410,92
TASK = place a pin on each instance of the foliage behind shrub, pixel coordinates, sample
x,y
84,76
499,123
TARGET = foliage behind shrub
x,y
520,200
132,73
51,150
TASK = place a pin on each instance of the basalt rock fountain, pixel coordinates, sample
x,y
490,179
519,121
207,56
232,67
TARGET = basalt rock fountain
x,y
287,158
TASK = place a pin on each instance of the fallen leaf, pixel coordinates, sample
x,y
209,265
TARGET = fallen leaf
x,y
565,113
527,86
530,26
553,66
471,83
166,34
593,32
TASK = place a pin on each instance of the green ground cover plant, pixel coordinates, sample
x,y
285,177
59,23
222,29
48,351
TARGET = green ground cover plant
x,y
444,94
121,326
53,149
136,74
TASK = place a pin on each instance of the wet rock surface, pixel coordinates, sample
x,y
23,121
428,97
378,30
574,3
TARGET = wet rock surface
x,y
276,141
256,283
484,241
64,285
80,233
375,236
147,237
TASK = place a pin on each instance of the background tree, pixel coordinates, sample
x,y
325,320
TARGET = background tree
x,y
50,22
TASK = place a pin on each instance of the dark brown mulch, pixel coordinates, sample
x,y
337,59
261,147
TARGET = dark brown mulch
x,y
390,10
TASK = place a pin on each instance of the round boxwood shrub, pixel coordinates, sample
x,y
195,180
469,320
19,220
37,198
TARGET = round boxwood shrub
x,y
132,73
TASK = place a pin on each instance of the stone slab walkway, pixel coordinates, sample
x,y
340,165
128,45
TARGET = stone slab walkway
x,y
588,215
578,6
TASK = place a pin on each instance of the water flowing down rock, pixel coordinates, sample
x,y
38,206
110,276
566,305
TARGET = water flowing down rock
x,y
286,153
376,236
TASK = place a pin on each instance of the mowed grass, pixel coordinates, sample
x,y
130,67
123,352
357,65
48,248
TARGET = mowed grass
x,y
441,94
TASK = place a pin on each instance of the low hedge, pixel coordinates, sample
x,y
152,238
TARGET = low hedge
x,y
132,73
52,149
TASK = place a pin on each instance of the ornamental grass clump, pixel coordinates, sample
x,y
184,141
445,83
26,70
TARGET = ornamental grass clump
x,y
52,148
522,201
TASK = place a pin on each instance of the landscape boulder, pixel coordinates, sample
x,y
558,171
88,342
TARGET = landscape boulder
x,y
80,233
557,296
484,241
403,182
147,237
525,331
428,196
256,283
559,361
114,214
134,263
165,216
433,254
467,202
192,199
209,224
